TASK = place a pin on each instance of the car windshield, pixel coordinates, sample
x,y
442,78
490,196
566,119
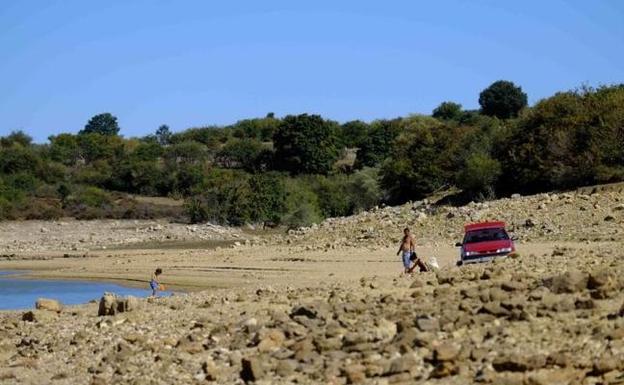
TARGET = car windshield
x,y
486,235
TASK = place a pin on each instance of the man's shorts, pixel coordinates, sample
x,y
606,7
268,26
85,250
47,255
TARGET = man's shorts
x,y
406,259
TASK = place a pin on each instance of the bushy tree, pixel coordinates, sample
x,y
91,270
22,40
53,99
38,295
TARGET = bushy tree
x,y
241,153
570,139
448,111
502,99
163,135
419,163
353,133
479,175
19,137
305,144
103,124
377,145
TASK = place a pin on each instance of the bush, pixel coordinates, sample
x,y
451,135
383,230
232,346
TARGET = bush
x,y
448,111
302,206
479,175
502,99
363,189
377,145
306,144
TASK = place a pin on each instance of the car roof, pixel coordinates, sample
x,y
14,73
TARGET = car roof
x,y
484,225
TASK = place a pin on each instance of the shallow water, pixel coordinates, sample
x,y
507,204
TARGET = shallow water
x,y
18,293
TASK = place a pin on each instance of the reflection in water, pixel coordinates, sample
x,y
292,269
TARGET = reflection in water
x,y
18,293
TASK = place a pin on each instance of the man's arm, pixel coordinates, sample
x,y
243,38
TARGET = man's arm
x,y
412,244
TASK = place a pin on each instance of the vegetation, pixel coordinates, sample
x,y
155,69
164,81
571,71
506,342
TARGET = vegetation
x,y
299,169
502,99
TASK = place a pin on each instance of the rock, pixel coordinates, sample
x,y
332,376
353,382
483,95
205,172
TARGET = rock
x,y
108,305
313,310
132,303
385,330
446,352
49,305
356,373
285,368
38,316
518,363
252,369
271,341
427,324
211,371
402,364
569,282
609,218
554,377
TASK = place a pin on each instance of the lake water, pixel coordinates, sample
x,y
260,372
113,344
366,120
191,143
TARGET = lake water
x,y
18,293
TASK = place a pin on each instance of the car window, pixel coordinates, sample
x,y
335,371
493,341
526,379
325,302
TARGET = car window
x,y
485,235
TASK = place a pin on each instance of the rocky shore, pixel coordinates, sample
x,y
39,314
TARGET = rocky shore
x,y
325,304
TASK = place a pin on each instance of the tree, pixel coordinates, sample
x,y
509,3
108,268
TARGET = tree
x,y
163,135
305,144
354,133
448,111
378,143
479,174
502,99
19,137
103,124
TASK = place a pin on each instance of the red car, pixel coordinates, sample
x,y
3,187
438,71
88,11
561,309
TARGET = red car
x,y
484,242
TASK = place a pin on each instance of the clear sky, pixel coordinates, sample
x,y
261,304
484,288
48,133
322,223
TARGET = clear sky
x,y
192,63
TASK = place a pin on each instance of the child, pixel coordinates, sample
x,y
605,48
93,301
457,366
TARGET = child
x,y
154,284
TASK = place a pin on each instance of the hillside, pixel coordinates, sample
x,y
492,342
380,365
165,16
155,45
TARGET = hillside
x,y
327,305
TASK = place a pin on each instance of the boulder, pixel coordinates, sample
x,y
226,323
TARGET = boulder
x,y
569,282
49,305
252,369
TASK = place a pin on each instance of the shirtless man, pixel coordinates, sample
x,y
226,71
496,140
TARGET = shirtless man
x,y
406,248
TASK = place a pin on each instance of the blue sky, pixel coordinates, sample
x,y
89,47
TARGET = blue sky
x,y
194,63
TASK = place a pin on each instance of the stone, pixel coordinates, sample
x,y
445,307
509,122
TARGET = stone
x,y
518,363
554,377
49,305
571,281
385,330
427,324
271,341
446,351
285,368
356,374
251,369
38,316
108,305
211,370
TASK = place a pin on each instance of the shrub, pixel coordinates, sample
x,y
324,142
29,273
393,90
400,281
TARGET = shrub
x,y
479,175
306,144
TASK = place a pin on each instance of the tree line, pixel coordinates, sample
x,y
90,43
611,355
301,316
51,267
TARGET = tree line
x,y
298,169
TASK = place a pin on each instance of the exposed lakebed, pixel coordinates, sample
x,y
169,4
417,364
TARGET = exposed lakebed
x,y
17,293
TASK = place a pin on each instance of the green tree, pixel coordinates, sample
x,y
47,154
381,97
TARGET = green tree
x,y
103,124
354,133
19,137
502,99
479,175
240,153
163,135
421,161
378,143
64,148
305,144
448,111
